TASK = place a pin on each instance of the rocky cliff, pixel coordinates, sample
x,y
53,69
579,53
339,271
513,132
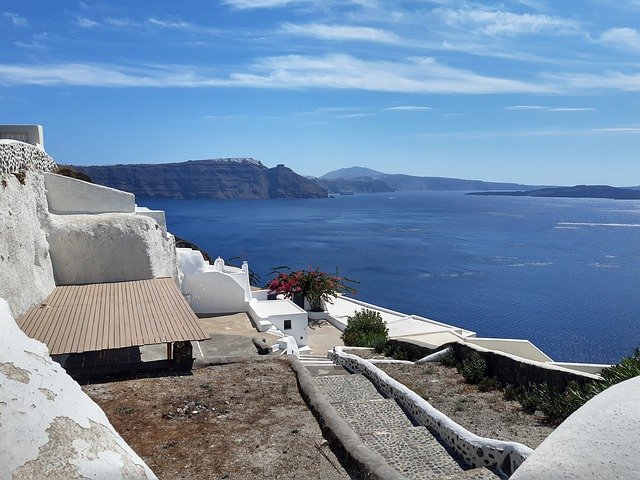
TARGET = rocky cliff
x,y
229,178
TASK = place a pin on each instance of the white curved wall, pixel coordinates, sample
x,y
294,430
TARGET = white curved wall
x,y
598,441
214,292
49,427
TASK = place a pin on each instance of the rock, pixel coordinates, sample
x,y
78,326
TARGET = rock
x,y
261,345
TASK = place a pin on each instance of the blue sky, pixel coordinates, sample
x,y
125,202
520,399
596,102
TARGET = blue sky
x,y
532,91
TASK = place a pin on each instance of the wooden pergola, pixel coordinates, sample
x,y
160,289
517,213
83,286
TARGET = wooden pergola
x,y
106,316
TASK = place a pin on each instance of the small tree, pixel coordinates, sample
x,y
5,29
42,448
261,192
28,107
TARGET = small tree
x,y
365,329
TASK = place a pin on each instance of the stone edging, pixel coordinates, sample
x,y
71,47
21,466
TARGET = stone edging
x,y
342,437
503,457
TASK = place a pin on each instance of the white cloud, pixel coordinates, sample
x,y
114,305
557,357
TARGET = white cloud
x,y
169,23
409,108
423,75
252,4
623,38
345,72
495,22
416,75
550,109
340,32
16,19
85,22
571,109
525,107
609,80
33,45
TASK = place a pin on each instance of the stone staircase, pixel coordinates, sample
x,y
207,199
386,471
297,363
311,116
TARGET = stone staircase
x,y
384,427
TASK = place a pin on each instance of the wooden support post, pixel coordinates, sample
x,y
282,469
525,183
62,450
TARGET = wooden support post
x,y
169,350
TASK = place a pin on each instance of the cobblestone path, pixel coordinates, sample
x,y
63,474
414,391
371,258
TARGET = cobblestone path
x,y
383,426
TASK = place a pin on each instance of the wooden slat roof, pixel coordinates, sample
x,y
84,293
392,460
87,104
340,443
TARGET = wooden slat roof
x,y
104,316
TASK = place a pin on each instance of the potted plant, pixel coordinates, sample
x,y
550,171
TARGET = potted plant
x,y
314,285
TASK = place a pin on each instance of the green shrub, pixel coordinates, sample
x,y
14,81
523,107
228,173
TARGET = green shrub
x,y
473,369
365,329
559,404
487,384
449,359
510,393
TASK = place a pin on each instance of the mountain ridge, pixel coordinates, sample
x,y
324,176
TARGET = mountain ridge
x,y
366,180
223,178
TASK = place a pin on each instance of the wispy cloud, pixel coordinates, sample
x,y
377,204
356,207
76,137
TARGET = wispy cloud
x,y
550,109
409,108
253,4
571,109
335,71
85,22
339,71
355,115
551,132
496,22
525,107
179,24
33,45
610,80
16,19
340,32
622,38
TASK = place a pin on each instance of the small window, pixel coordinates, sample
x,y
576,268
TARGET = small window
x,y
287,324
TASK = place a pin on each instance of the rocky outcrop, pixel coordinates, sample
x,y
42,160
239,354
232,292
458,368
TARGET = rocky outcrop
x,y
26,273
230,178
49,428
19,156
110,247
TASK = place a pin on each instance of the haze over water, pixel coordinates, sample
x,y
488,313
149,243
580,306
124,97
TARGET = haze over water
x,y
563,273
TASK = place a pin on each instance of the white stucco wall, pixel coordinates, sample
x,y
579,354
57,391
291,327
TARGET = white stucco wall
x,y
214,292
32,134
598,441
66,195
49,428
276,312
109,247
26,273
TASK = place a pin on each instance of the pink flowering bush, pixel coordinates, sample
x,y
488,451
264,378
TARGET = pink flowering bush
x,y
315,285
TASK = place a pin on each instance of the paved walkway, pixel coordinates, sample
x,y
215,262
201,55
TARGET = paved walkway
x,y
385,428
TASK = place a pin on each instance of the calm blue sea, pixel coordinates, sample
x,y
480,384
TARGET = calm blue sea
x,y
563,273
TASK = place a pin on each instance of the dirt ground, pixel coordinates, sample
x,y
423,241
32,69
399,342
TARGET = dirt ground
x,y
237,421
486,414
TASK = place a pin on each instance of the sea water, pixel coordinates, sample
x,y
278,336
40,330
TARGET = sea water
x,y
562,273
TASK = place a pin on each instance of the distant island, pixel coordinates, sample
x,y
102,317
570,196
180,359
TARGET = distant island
x,y
367,180
578,191
221,178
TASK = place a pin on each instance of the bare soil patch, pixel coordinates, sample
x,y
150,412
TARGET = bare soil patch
x,y
486,414
237,421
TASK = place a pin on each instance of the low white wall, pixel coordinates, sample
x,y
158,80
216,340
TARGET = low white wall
x,y
598,441
49,428
66,195
158,215
213,292
518,347
26,273
109,247
477,451
31,134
